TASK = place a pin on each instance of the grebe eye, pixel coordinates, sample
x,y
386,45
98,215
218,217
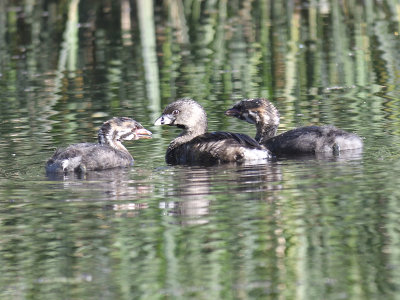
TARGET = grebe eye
x,y
175,112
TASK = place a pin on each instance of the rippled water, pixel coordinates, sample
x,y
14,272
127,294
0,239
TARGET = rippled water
x,y
311,227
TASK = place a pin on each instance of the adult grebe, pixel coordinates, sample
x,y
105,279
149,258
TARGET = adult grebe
x,y
197,146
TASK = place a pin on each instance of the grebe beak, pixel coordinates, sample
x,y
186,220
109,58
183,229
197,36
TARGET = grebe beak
x,y
143,133
165,119
233,112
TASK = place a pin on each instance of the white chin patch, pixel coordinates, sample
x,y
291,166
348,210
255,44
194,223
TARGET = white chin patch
x,y
129,137
248,119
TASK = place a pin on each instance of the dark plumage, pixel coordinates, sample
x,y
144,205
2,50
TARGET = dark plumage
x,y
108,153
197,146
308,139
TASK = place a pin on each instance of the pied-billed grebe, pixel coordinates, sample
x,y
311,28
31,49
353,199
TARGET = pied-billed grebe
x,y
308,139
108,153
197,146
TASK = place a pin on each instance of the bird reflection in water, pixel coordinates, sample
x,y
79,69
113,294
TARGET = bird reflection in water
x,y
111,184
192,193
198,187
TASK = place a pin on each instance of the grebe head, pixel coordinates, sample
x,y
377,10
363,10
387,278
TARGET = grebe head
x,y
185,113
258,111
255,111
121,129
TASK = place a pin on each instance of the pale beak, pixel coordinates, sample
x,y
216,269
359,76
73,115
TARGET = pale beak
x,y
165,120
143,133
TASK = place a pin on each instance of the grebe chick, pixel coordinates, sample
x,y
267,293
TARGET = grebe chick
x,y
302,140
108,153
197,146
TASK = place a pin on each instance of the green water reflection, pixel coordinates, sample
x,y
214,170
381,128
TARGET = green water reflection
x,y
306,228
223,232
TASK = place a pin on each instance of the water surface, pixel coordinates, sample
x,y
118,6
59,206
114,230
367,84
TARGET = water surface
x,y
313,227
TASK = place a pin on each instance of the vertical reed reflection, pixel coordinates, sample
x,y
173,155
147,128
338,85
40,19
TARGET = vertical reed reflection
x,y
68,54
126,23
148,40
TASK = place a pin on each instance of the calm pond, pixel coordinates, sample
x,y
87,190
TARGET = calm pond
x,y
300,228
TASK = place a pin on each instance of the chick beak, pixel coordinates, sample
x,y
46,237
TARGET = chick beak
x,y
233,112
143,133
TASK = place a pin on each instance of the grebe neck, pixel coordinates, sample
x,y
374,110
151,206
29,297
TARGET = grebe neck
x,y
188,134
265,132
107,136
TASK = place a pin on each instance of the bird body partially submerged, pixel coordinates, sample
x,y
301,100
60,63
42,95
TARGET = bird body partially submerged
x,y
197,146
107,153
302,140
